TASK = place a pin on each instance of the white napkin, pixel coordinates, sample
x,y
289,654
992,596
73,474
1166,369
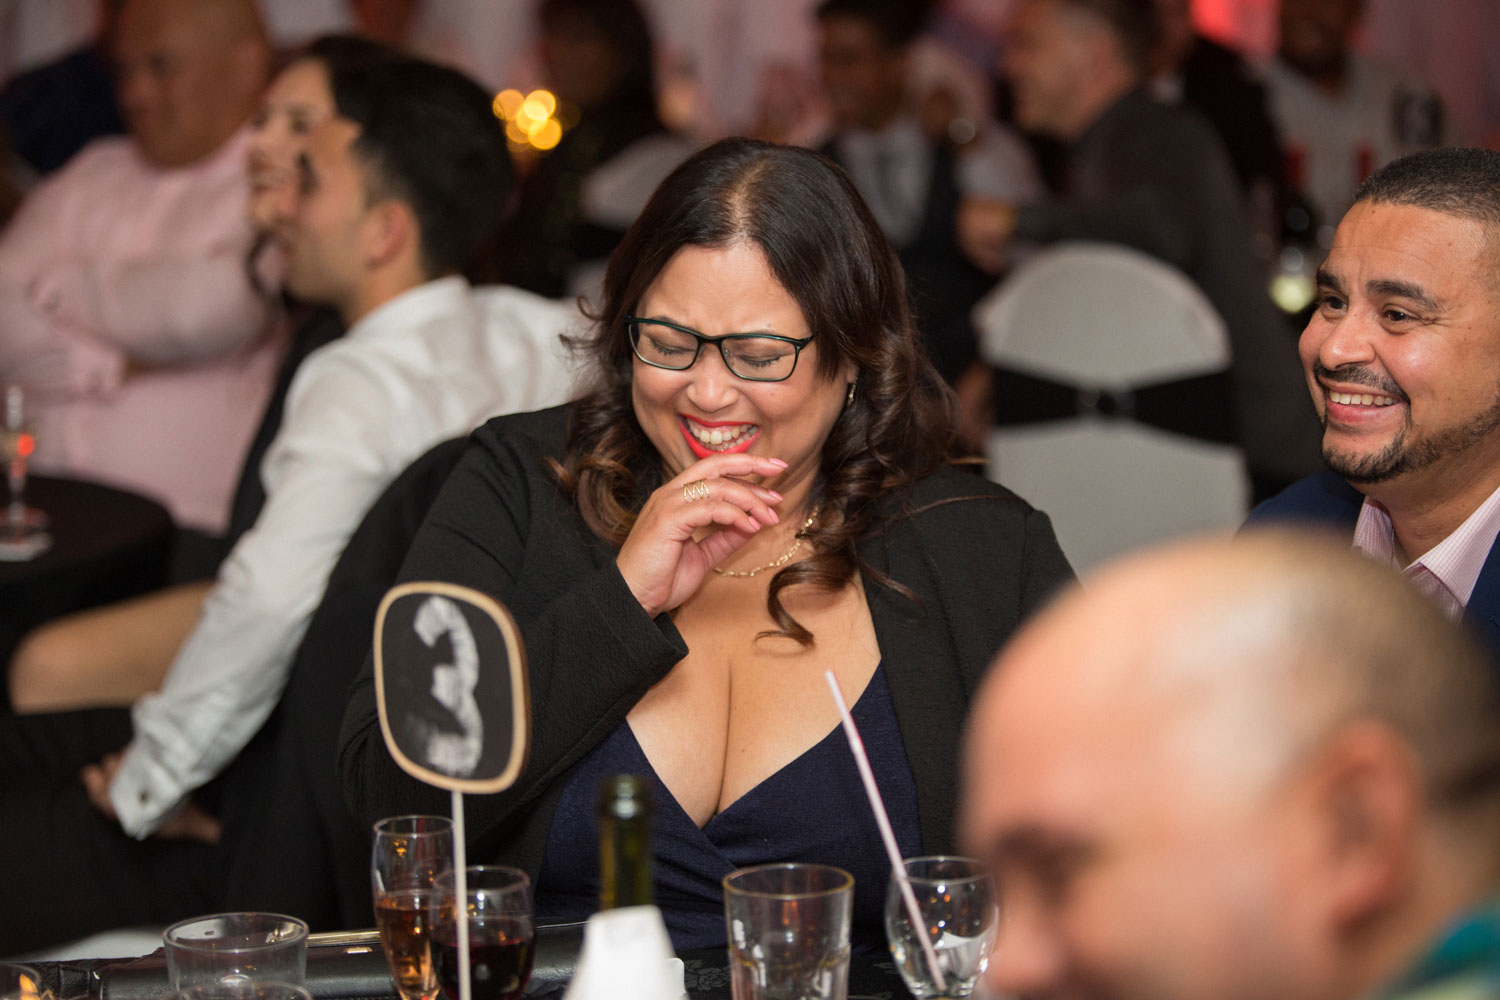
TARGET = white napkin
x,y
627,956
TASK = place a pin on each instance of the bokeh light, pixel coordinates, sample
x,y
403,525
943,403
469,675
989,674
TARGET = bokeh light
x,y
534,121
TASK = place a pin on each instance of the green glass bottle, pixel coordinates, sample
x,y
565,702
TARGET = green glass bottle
x,y
625,812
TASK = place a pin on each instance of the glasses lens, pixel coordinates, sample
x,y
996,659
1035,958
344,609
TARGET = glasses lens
x,y
663,346
761,358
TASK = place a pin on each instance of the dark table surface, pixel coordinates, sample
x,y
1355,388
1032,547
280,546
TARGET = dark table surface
x,y
107,545
359,973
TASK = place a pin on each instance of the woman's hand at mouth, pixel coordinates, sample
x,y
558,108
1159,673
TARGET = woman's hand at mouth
x,y
661,561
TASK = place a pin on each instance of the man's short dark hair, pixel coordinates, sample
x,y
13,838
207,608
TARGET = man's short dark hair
x,y
1456,181
428,136
1135,23
896,22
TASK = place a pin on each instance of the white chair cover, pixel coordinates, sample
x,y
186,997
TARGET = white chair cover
x,y
1101,316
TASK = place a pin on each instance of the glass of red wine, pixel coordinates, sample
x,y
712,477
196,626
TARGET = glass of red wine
x,y
497,905
411,855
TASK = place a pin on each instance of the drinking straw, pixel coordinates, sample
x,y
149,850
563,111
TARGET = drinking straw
x,y
898,869
461,893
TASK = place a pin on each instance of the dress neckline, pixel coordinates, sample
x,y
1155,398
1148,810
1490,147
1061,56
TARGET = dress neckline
x,y
760,787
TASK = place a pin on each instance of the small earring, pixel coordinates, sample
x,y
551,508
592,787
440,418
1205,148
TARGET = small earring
x,y
848,399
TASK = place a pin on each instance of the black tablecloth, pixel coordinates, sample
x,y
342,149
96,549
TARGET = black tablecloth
x,y
107,545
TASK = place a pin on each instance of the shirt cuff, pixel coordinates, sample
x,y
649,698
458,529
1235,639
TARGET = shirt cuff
x,y
143,793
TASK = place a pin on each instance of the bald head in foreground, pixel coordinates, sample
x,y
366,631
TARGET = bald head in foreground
x,y
1260,768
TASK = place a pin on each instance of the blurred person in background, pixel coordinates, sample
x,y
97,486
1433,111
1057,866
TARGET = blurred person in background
x,y
1155,178
1342,115
388,22
112,655
1191,69
403,177
52,111
912,180
127,310
577,199
1248,769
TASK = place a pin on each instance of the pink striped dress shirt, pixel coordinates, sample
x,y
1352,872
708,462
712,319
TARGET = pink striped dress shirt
x,y
1448,571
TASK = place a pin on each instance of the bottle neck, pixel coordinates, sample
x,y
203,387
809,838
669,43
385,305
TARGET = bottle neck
x,y
625,813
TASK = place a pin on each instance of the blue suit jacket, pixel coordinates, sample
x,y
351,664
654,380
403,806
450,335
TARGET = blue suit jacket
x,y
1327,500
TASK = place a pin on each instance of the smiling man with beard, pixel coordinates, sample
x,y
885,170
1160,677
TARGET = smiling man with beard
x,y
1403,361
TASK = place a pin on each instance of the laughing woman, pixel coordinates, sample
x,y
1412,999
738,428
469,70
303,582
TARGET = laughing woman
x,y
758,489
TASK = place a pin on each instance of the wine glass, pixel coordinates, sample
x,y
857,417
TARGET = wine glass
x,y
497,904
956,897
411,854
23,529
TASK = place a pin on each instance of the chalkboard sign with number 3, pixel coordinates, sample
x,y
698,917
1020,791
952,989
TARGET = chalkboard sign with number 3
x,y
450,680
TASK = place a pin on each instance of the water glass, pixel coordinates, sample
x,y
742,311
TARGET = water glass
x,y
789,931
956,897
19,982
410,855
235,950
497,905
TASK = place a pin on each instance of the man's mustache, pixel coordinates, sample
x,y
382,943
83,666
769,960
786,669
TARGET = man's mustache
x,y
1359,374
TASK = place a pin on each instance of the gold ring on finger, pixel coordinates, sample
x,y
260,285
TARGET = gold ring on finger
x,y
695,490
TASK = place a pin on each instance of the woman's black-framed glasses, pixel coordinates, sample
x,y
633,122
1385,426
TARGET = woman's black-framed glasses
x,y
758,357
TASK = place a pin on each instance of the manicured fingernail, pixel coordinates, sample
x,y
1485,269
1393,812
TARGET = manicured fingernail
x,y
776,461
775,517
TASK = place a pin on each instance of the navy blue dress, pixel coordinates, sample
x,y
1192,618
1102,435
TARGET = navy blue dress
x,y
812,810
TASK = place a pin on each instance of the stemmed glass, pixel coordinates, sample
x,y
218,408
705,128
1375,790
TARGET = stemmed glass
x,y
956,897
497,905
411,854
23,529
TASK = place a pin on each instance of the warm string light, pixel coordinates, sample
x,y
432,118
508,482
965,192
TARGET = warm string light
x,y
533,121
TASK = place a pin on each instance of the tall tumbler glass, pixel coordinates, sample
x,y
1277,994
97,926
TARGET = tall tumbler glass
x,y
411,854
789,931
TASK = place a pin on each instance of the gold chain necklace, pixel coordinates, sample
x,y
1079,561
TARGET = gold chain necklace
x,y
785,556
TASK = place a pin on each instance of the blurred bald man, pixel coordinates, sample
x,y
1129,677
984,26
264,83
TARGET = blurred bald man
x,y
1255,769
127,310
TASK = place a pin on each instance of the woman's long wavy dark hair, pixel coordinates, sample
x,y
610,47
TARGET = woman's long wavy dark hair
x,y
827,250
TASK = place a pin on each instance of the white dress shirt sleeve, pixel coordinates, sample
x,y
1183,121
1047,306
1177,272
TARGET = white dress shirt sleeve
x,y
322,473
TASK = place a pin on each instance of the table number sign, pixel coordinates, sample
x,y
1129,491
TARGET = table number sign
x,y
450,683
455,710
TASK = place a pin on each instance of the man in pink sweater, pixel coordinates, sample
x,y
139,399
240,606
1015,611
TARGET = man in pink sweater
x,y
127,307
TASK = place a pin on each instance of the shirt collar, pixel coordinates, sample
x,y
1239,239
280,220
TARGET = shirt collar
x,y
1456,561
